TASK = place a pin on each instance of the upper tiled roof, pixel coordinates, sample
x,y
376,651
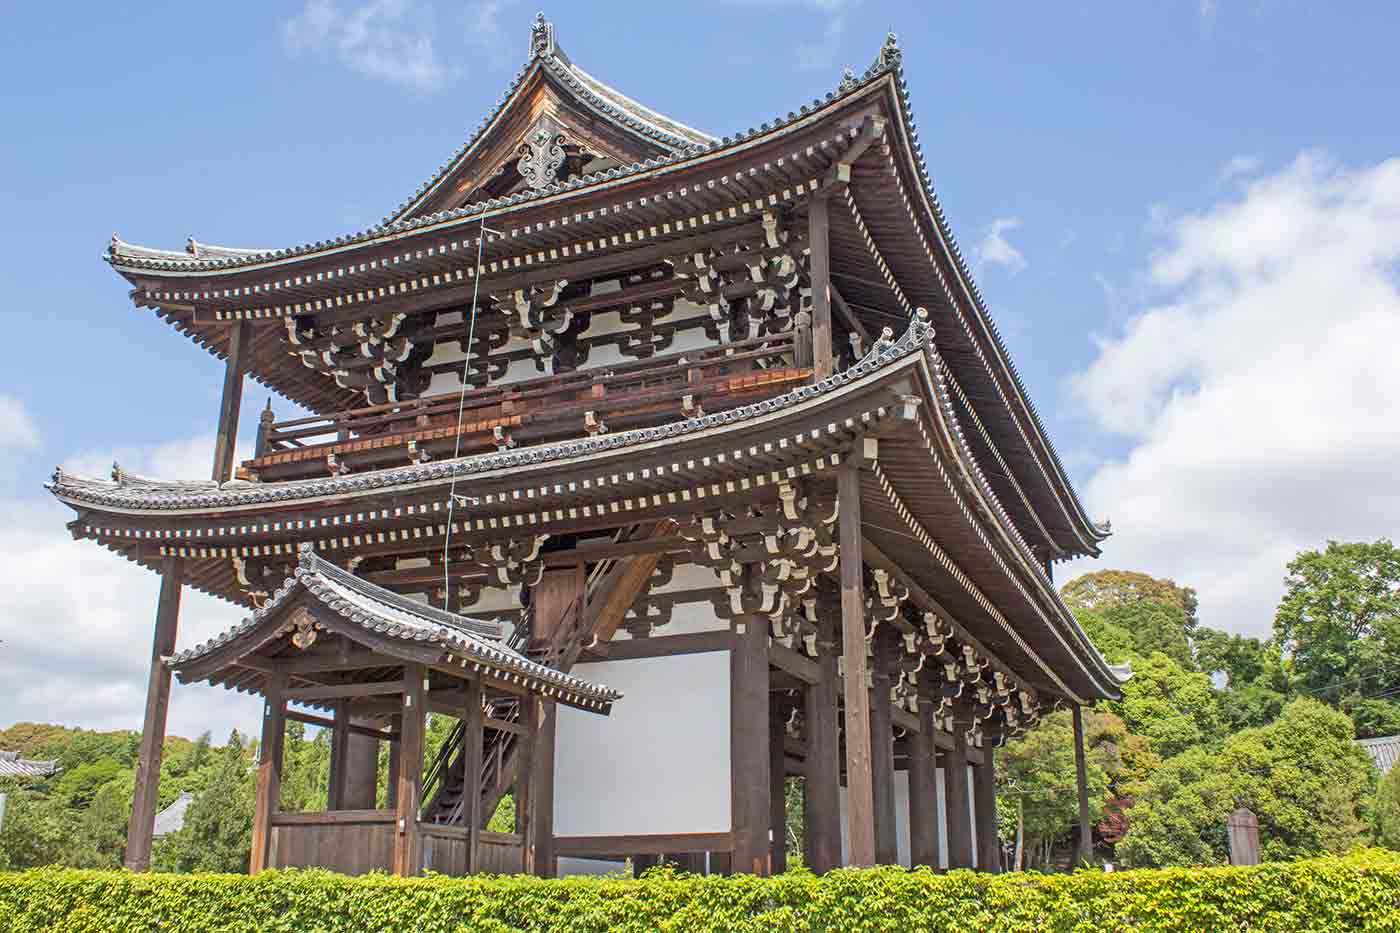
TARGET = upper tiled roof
x,y
1384,751
172,818
388,614
12,765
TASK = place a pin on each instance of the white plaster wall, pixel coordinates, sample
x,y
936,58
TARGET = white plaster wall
x,y
901,820
660,762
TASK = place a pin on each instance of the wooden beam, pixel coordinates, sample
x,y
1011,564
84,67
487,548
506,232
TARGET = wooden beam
x,y
818,235
340,748
749,779
344,691
821,801
620,847
327,722
795,663
925,822
410,771
269,781
1081,778
627,580
141,827
659,646
956,797
231,401
472,748
860,782
539,845
985,801
882,754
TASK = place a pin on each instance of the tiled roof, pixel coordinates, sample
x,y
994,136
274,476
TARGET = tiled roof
x,y
11,765
382,612
172,818
1384,751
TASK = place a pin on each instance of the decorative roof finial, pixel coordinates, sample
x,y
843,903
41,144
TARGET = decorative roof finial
x,y
191,246
848,79
890,55
541,37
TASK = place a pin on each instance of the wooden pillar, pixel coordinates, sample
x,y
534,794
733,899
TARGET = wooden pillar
x,y
1086,839
391,797
410,771
924,817
882,756
749,780
360,788
821,799
524,786
955,795
860,782
144,800
777,789
269,786
340,752
231,402
818,229
541,841
473,738
985,800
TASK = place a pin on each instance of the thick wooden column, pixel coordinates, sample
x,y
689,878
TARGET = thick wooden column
x,y
144,800
955,795
360,788
821,799
924,818
541,841
231,402
860,781
409,772
777,790
340,753
882,756
1086,839
524,787
819,229
391,783
749,779
985,800
473,741
269,786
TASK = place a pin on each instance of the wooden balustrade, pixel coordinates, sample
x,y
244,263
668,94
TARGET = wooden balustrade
x,y
626,395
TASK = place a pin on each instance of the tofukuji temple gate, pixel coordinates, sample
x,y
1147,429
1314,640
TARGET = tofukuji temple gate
x,y
671,467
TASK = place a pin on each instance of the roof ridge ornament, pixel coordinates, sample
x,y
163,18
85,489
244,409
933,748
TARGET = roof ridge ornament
x,y
848,79
541,37
890,56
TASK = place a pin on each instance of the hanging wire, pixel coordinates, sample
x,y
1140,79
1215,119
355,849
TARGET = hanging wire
x,y
461,407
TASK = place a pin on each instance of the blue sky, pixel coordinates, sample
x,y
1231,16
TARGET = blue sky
x,y
1140,185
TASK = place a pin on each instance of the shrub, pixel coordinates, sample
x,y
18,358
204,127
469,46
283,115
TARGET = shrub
x,y
1357,892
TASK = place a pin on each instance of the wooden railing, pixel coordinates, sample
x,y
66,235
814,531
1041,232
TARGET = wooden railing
x,y
353,842
617,397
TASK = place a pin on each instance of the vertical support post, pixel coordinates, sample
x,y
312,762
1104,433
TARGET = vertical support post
x,y
777,789
473,728
882,756
263,444
749,780
524,786
860,781
821,801
231,402
955,793
985,797
269,787
360,788
818,230
1086,840
924,818
391,792
143,804
541,840
410,771
340,753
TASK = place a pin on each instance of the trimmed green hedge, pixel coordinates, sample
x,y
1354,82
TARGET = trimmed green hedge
x,y
1358,892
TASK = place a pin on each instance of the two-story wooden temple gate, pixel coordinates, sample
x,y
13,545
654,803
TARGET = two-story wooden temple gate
x,y
721,423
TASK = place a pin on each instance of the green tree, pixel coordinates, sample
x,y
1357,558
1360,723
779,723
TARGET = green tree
x,y
1339,620
1178,817
218,830
77,787
1173,708
1388,810
1127,613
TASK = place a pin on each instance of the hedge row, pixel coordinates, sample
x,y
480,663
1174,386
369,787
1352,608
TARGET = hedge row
x,y
1358,892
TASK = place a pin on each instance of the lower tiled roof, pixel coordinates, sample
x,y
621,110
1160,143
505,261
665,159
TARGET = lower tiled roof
x,y
12,765
1384,751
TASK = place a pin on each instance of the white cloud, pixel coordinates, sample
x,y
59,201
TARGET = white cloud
x,y
1259,393
17,430
820,53
485,32
1239,166
995,250
391,40
76,620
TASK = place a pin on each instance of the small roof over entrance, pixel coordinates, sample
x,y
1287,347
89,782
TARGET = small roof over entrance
x,y
335,635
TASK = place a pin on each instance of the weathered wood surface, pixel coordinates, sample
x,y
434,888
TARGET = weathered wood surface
x,y
749,778
985,802
956,796
350,848
409,774
925,820
622,846
822,796
269,779
860,781
1086,838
